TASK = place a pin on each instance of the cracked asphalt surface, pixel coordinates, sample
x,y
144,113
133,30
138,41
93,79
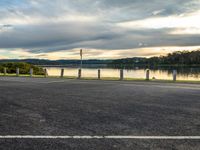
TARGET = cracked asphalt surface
x,y
49,106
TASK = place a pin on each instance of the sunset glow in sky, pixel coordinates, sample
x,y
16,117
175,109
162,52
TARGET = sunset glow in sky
x,y
104,29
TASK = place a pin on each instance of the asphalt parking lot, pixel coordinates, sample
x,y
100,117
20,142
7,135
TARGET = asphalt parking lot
x,y
60,107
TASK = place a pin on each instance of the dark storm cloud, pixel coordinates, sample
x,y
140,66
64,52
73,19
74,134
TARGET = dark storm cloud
x,y
44,26
140,9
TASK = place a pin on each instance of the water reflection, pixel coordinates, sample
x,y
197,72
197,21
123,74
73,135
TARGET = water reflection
x,y
183,73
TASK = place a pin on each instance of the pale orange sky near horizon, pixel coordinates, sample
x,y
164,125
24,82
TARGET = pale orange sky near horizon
x,y
98,54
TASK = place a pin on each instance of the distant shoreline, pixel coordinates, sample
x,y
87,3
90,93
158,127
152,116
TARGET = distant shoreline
x,y
119,65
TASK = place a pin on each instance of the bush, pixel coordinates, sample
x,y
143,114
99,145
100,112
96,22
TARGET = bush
x,y
23,67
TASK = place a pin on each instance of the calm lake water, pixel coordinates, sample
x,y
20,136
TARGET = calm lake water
x,y
158,73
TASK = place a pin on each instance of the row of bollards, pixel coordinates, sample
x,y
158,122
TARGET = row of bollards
x,y
80,73
121,74
18,72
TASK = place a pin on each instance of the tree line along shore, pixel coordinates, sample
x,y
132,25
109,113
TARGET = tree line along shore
x,y
23,67
178,58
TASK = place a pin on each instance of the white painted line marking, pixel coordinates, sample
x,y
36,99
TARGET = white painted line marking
x,y
165,86
34,80
61,81
101,137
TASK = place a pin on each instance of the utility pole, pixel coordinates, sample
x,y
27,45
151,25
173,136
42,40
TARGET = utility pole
x,y
81,55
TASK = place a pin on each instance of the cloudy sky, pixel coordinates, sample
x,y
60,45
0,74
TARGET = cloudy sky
x,y
57,29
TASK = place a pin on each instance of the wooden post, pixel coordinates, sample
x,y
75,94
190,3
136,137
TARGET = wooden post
x,y
79,73
99,74
31,72
17,72
45,73
174,75
121,74
147,74
62,73
5,71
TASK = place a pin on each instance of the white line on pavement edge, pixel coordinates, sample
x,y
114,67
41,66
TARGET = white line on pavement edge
x,y
100,137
